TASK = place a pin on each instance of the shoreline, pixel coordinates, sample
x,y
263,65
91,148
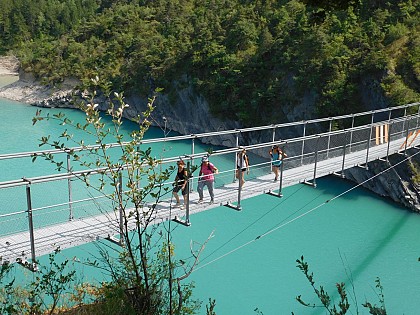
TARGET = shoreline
x,y
7,79
22,91
9,75
25,89
19,86
11,85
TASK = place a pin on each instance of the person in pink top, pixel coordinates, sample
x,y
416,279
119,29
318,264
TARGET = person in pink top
x,y
206,178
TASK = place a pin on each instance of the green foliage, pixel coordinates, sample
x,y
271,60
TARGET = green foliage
x,y
7,305
399,92
210,307
26,20
249,58
415,171
144,276
50,282
374,309
343,306
49,289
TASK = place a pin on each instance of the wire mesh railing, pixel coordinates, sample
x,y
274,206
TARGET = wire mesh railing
x,y
34,203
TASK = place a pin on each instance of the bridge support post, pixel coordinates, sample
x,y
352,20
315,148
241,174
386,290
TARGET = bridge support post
x,y
316,161
407,129
405,115
329,137
344,155
238,206
111,238
369,139
417,119
273,138
315,165
192,161
121,219
120,190
71,217
32,265
389,142
303,143
351,133
138,172
236,159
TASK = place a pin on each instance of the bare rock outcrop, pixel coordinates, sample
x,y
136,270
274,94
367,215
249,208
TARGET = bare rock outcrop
x,y
29,90
393,179
9,65
188,112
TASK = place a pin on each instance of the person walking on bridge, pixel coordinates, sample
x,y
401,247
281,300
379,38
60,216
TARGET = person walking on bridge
x,y
242,165
206,178
181,183
276,155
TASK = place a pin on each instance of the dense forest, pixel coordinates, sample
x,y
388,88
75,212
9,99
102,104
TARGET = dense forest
x,y
247,57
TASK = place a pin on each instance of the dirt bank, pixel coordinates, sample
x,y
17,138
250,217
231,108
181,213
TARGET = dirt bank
x,y
22,87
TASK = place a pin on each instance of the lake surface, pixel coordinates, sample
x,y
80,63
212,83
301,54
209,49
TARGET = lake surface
x,y
251,260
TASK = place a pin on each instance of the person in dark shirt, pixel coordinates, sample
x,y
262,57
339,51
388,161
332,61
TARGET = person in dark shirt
x,y
181,183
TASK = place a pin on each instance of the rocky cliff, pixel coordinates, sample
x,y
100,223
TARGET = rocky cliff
x,y
188,112
394,179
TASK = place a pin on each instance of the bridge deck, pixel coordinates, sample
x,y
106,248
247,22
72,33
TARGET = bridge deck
x,y
81,231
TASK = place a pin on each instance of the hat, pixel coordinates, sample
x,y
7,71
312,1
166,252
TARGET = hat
x,y
205,159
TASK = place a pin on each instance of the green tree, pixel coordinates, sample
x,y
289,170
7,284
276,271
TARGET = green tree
x,y
250,59
145,279
343,306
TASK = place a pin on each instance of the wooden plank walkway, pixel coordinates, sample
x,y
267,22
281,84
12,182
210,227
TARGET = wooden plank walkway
x,y
82,231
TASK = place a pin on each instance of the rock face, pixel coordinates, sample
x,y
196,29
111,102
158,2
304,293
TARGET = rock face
x,y
188,112
395,183
29,90
9,65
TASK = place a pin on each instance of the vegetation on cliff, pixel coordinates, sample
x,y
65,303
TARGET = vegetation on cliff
x,y
249,58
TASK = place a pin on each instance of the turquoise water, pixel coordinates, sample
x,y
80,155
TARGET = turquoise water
x,y
250,261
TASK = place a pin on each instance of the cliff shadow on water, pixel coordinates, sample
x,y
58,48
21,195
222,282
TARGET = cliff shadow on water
x,y
397,179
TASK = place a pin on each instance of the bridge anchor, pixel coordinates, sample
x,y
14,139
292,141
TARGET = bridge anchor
x,y
114,240
178,220
29,265
232,206
272,193
339,174
309,183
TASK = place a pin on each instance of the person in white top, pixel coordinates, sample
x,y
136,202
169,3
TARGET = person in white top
x,y
242,165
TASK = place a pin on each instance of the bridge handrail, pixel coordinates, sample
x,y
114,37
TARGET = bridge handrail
x,y
204,135
67,175
308,159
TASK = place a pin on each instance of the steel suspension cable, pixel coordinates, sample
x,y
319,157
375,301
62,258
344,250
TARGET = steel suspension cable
x,y
281,224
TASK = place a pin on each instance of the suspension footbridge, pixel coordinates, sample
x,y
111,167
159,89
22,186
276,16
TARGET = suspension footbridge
x,y
39,214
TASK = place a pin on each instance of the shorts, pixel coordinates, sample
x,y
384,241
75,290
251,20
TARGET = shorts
x,y
276,163
243,169
178,188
